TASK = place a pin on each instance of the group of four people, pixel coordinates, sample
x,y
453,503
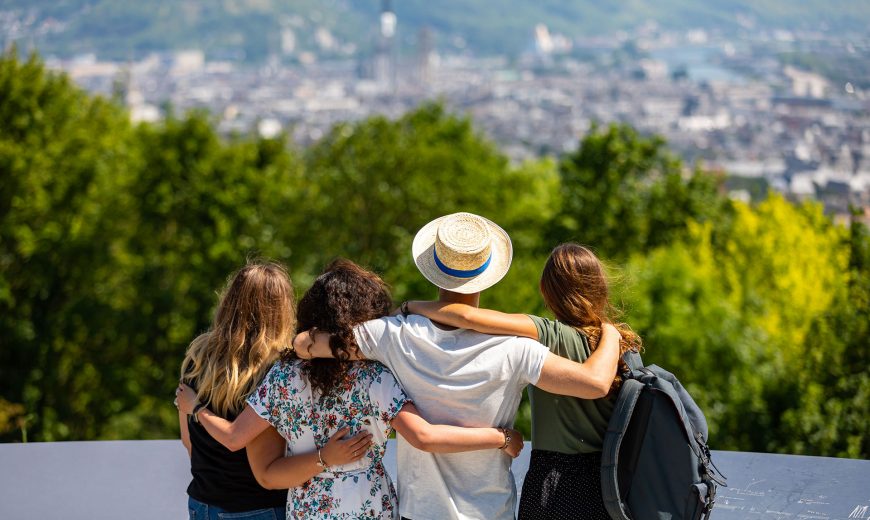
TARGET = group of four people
x,y
260,411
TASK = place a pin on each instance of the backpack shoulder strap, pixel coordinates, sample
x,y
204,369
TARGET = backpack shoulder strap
x,y
633,360
616,427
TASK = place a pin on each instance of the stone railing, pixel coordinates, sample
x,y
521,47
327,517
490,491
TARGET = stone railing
x,y
148,479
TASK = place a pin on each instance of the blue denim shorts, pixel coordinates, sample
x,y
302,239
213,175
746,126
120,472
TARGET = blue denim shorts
x,y
200,511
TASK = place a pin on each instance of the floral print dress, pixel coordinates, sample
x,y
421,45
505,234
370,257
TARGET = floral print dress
x,y
369,399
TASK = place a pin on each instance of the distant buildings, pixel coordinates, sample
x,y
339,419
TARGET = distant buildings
x,y
718,101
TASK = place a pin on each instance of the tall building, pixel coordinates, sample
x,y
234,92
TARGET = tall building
x,y
385,55
425,55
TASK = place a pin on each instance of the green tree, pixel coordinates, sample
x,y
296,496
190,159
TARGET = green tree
x,y
729,309
198,208
113,241
783,266
64,157
675,299
625,193
371,185
115,238
833,415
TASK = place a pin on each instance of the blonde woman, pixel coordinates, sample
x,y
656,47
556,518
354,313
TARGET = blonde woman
x,y
564,478
253,322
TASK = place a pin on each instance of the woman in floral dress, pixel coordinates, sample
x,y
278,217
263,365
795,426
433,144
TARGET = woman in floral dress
x,y
307,403
368,399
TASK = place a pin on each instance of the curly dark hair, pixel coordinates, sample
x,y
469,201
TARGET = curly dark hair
x,y
343,296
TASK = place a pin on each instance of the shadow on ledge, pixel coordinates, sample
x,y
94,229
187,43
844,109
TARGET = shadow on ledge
x,y
148,480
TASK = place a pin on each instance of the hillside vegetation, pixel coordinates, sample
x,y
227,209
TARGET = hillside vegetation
x,y
114,239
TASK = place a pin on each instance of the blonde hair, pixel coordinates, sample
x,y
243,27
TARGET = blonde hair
x,y
253,323
574,286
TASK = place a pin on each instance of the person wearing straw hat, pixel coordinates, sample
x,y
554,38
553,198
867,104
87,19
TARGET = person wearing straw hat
x,y
463,377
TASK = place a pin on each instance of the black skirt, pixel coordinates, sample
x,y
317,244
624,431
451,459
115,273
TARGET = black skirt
x,y
560,486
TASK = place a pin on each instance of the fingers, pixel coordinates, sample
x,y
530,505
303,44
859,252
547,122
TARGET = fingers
x,y
340,434
361,448
357,454
516,444
514,451
361,434
360,442
185,397
343,451
610,329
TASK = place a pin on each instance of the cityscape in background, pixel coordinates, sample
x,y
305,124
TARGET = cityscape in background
x,y
752,107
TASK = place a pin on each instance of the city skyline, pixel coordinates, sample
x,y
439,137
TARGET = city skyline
x,y
771,108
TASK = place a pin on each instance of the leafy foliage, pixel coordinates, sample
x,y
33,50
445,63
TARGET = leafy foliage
x,y
114,239
730,311
625,193
832,417
64,160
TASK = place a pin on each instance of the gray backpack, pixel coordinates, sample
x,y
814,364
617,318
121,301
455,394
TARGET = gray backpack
x,y
655,464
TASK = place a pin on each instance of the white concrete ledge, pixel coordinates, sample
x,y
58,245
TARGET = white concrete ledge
x,y
148,480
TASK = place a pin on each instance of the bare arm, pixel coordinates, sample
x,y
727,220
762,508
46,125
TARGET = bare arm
x,y
233,435
275,471
185,433
315,344
442,438
482,320
589,380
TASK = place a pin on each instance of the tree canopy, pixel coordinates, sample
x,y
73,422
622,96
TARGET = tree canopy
x,y
115,238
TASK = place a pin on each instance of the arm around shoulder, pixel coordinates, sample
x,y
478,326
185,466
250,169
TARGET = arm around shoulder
x,y
233,435
482,320
589,380
313,343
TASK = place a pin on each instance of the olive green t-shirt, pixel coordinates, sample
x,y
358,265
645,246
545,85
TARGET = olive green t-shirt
x,y
561,423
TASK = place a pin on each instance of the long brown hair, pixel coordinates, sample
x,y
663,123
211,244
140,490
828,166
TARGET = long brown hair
x,y
253,323
343,296
574,286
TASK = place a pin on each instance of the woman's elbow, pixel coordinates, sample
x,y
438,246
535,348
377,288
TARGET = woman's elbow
x,y
234,445
271,484
419,440
592,389
234,442
464,318
601,386
265,482
602,390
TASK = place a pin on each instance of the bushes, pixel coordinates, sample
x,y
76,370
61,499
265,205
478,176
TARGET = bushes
x,y
114,239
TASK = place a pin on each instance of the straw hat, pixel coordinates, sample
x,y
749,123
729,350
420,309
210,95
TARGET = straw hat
x,y
462,252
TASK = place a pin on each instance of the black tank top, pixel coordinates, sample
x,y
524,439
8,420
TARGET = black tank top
x,y
223,478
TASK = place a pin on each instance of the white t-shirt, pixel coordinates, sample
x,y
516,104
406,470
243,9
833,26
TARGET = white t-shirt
x,y
459,377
